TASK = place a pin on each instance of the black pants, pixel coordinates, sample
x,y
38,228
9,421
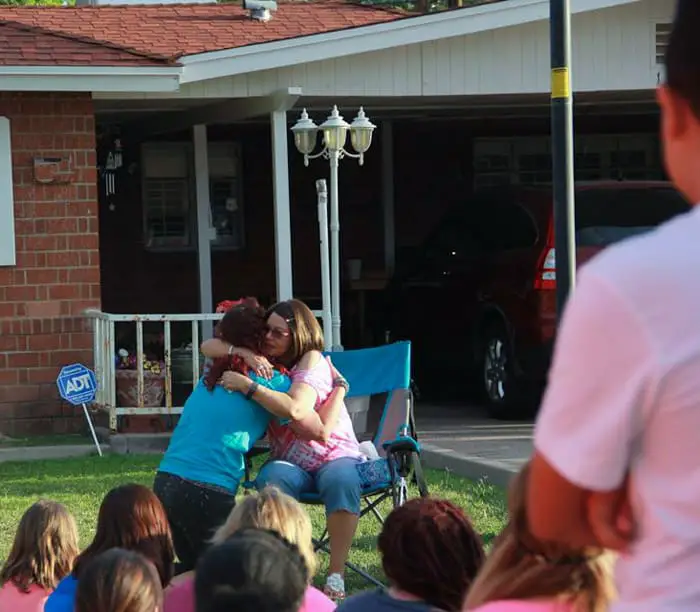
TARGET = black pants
x,y
195,511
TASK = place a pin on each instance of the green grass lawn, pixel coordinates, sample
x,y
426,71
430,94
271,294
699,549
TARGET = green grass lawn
x,y
82,483
57,440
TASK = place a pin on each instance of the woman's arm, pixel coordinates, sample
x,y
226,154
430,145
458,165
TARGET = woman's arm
x,y
296,404
318,426
216,348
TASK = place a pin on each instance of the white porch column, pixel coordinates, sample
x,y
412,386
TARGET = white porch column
x,y
204,229
283,225
387,145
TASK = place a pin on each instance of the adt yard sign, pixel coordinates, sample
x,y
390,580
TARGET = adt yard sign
x,y
77,384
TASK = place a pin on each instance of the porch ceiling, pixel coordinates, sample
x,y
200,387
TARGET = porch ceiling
x,y
169,115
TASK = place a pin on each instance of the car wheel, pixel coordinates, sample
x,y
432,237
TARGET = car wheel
x,y
501,388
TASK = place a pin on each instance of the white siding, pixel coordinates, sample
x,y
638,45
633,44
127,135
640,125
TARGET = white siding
x,y
613,50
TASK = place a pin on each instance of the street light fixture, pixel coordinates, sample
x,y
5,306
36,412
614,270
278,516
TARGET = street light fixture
x,y
335,134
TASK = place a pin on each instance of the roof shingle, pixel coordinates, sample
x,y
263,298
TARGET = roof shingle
x,y
165,32
26,46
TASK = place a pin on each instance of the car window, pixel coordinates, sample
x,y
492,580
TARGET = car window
x,y
504,225
606,216
454,238
485,223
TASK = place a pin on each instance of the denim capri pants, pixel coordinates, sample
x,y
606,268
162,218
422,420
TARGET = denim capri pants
x,y
337,482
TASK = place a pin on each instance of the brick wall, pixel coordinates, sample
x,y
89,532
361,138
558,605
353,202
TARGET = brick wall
x,y
57,274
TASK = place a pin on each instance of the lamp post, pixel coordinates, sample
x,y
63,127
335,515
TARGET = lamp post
x,y
335,133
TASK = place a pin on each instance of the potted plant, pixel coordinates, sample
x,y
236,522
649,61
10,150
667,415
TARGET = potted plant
x,y
127,381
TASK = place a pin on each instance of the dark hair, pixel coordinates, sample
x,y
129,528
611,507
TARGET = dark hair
x,y
305,330
430,550
255,570
683,53
243,326
119,580
132,517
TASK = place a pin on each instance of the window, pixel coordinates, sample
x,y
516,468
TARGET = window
x,y
502,224
169,204
605,216
662,32
528,160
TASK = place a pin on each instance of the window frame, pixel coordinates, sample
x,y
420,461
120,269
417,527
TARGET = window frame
x,y
191,198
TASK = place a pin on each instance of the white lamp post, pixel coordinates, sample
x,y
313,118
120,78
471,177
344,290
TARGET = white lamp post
x,y
335,132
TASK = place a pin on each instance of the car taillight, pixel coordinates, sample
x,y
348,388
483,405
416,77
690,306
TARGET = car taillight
x,y
547,270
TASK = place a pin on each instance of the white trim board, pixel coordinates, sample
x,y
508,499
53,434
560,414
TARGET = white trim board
x,y
8,252
90,78
376,37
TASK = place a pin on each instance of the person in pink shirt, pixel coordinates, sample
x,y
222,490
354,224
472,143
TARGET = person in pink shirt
x,y
622,408
269,509
299,465
42,554
524,574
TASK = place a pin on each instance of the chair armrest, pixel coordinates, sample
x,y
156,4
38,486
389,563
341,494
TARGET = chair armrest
x,y
402,444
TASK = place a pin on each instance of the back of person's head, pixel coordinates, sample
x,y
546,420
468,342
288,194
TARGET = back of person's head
x,y
119,580
133,518
244,326
522,567
253,571
430,550
679,99
44,548
271,509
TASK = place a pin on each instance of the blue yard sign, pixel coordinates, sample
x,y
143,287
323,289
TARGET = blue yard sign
x,y
77,384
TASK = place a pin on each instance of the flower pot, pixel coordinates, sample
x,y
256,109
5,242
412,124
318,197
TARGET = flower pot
x,y
128,389
181,363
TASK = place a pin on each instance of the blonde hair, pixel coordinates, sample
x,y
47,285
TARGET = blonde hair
x,y
521,567
271,509
44,548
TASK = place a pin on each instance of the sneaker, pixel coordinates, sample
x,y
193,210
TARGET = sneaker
x,y
335,587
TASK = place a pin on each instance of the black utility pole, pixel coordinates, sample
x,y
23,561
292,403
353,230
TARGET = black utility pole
x,y
562,149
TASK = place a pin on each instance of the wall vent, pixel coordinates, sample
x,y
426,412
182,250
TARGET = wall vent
x,y
661,35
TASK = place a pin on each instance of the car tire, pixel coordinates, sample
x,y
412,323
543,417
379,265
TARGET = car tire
x,y
503,392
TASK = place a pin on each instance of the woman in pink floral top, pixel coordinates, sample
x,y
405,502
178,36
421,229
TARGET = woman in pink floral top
x,y
300,465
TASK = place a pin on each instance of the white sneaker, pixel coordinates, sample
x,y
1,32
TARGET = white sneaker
x,y
335,587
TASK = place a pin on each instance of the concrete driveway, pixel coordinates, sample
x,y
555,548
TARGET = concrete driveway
x,y
464,440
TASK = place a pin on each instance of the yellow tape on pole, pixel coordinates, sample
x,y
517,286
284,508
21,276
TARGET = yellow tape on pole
x,y
561,83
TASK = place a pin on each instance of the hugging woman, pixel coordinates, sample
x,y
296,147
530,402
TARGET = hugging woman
x,y
201,470
301,464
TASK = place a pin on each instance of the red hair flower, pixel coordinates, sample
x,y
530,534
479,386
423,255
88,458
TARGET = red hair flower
x,y
226,305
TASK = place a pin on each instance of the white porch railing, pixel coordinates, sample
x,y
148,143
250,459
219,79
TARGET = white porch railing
x,y
105,359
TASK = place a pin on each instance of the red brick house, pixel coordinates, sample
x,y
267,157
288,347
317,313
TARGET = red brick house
x,y
180,90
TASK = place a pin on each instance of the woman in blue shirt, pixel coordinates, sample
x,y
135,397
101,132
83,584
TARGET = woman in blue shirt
x,y
200,472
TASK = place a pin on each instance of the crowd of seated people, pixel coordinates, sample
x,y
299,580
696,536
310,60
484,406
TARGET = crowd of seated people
x,y
262,559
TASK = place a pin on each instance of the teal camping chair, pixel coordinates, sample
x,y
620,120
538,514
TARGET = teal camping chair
x,y
380,403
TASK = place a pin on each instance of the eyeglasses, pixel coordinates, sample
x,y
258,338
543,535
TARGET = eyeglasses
x,y
277,333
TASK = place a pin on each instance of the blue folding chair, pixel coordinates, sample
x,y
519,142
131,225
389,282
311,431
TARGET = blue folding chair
x,y
380,403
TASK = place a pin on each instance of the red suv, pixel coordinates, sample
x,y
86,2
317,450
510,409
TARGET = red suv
x,y
478,300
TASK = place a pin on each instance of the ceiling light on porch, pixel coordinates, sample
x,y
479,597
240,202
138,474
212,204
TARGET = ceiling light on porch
x,y
305,136
335,131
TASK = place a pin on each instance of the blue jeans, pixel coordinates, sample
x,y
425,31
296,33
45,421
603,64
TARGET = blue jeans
x,y
337,482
